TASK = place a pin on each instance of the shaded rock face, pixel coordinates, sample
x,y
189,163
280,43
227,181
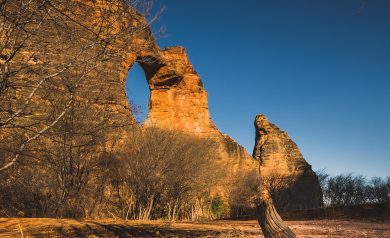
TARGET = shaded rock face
x,y
279,156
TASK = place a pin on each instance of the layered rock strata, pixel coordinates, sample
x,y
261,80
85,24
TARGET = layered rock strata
x,y
281,159
178,101
87,49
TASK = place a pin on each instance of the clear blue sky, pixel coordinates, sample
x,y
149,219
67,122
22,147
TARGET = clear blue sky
x,y
314,68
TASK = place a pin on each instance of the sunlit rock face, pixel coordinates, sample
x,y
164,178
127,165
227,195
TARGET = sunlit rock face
x,y
178,101
279,156
105,38
71,50
97,43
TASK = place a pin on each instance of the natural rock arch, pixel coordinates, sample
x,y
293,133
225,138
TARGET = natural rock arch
x,y
120,36
178,101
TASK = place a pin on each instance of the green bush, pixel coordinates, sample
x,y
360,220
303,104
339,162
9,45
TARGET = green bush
x,y
219,208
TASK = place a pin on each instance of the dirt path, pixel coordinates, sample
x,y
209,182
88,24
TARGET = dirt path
x,y
42,227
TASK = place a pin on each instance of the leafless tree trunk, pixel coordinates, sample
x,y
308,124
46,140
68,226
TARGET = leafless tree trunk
x,y
270,222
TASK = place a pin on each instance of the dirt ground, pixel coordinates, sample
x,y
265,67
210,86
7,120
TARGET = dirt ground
x,y
42,227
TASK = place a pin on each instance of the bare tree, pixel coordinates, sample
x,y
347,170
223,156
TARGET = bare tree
x,y
243,194
348,190
57,125
50,52
163,175
345,190
279,187
378,190
69,173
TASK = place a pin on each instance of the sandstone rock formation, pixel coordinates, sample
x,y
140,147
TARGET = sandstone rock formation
x,y
279,156
89,49
178,101
88,57
177,98
77,49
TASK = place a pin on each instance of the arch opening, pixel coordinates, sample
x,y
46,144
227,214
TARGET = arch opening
x,y
138,92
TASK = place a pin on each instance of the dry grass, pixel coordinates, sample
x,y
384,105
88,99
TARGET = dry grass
x,y
43,227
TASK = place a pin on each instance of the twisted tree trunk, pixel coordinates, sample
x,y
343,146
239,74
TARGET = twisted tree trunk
x,y
270,222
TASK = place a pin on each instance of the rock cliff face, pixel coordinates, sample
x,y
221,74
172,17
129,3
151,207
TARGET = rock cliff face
x,y
66,54
177,98
178,101
89,47
279,156
88,57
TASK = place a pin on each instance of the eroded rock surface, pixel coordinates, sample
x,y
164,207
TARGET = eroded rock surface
x,y
96,45
279,156
178,101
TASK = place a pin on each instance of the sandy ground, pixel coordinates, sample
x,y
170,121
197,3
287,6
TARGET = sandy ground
x,y
42,227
